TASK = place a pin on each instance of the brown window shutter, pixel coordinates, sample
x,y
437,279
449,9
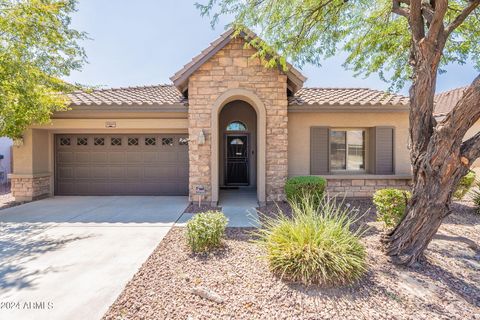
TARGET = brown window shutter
x,y
383,144
319,150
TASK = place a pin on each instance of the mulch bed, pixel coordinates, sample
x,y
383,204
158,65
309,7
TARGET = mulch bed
x,y
445,286
195,208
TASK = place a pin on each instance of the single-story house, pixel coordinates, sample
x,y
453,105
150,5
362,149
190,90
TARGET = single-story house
x,y
226,121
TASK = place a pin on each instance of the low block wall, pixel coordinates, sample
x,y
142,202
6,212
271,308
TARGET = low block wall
x,y
363,187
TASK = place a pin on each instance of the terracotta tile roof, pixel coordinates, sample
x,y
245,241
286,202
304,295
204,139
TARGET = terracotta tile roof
x,y
346,97
147,95
168,95
445,101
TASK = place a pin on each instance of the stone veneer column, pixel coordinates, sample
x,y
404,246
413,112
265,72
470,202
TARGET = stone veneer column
x,y
231,68
30,187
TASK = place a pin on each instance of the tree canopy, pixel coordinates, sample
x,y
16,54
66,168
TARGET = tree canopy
x,y
37,48
375,39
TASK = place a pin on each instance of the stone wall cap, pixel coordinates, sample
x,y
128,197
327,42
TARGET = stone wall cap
x,y
29,175
367,176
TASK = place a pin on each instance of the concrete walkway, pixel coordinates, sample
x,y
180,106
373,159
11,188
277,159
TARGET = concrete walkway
x,y
239,207
70,257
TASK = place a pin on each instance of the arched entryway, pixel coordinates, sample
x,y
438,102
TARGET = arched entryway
x,y
237,146
238,143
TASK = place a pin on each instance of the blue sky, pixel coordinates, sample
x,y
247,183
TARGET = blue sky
x,y
144,42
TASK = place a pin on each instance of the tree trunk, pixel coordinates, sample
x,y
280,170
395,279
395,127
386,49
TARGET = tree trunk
x,y
436,168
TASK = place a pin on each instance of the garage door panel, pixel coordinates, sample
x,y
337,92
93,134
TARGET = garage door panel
x,y
64,156
99,172
82,156
134,157
117,157
100,157
94,165
82,172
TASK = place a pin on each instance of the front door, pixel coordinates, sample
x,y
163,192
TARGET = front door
x,y
237,162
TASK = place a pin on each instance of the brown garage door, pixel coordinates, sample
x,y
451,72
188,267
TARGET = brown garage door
x,y
151,164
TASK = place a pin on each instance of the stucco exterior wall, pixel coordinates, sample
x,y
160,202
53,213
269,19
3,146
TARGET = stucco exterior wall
x,y
299,135
233,68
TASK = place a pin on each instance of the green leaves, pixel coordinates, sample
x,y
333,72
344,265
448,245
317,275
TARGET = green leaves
x,y
375,39
38,47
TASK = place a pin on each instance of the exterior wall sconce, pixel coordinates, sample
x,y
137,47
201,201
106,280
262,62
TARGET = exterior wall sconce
x,y
201,137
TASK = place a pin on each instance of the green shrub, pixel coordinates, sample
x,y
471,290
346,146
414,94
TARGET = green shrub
x,y
391,205
464,185
315,245
297,188
206,230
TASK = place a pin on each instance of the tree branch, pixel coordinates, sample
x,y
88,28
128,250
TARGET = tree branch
x,y
466,112
404,12
436,24
473,4
470,149
416,20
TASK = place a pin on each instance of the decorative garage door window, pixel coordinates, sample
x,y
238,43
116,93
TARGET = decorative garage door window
x,y
133,141
150,141
83,141
183,141
167,141
64,141
98,141
117,141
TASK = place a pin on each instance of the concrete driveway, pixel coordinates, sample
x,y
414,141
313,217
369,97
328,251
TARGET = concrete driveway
x,y
70,257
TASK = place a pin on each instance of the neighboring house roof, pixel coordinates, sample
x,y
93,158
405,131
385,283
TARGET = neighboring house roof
x,y
445,101
346,97
169,95
295,79
146,95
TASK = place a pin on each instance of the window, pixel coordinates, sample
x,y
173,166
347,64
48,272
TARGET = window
x,y
82,141
236,141
97,141
347,150
133,141
64,141
167,141
117,141
150,141
236,126
183,141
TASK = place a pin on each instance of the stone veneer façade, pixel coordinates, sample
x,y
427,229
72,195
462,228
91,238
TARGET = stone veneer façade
x,y
28,188
363,187
231,68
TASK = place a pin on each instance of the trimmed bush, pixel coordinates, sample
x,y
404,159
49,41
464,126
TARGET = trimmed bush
x,y
206,230
391,205
315,245
312,187
464,185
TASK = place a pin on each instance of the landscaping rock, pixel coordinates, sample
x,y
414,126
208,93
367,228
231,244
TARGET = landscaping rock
x,y
207,294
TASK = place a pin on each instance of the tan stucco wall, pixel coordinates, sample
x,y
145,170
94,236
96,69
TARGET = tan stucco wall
x,y
299,135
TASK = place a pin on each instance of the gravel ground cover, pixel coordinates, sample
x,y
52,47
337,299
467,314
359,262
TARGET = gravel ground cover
x,y
235,283
7,201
